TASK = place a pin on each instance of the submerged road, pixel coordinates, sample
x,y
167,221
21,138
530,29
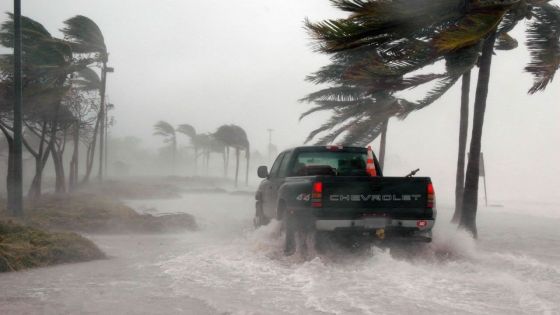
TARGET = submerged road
x,y
229,268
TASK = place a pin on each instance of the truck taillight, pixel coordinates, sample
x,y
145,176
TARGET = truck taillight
x,y
317,195
431,200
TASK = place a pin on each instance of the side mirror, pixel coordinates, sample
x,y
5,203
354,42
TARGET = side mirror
x,y
262,171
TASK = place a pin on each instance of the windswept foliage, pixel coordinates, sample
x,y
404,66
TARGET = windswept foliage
x,y
543,42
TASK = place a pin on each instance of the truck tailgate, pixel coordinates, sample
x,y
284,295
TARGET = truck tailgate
x,y
362,195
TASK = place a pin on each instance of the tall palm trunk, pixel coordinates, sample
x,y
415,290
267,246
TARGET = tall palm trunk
x,y
383,144
226,161
195,161
174,154
73,176
236,166
41,157
463,131
248,157
91,151
35,190
470,195
58,161
60,177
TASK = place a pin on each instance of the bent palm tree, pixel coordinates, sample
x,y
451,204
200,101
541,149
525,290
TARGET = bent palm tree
x,y
235,137
88,80
164,129
85,37
190,132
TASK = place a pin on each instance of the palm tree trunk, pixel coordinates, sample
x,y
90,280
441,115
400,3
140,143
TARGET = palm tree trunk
x,y
248,156
73,176
470,195
35,190
174,154
195,161
463,132
91,152
226,162
383,144
236,166
60,184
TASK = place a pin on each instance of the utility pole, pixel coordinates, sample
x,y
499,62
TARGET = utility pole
x,y
270,143
17,171
102,114
106,138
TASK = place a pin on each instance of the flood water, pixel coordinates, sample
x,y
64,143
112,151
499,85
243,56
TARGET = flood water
x,y
229,268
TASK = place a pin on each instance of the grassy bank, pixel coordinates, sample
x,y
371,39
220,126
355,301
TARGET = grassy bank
x,y
47,233
95,214
24,247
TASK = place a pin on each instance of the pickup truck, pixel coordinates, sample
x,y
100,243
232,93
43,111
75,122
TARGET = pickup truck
x,y
328,189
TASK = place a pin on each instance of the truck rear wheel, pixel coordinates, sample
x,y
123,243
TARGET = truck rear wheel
x,y
288,224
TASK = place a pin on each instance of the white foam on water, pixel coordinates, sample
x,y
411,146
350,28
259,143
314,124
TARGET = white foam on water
x,y
239,270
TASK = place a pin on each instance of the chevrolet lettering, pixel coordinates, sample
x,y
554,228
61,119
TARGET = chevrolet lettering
x,y
375,197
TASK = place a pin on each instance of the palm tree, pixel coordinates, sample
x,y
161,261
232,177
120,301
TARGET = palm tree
x,y
85,37
235,137
190,132
166,130
86,80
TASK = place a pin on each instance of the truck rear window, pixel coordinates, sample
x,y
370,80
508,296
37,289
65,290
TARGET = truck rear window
x,y
330,163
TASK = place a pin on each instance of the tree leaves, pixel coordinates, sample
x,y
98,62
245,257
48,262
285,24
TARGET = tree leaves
x,y
85,36
543,43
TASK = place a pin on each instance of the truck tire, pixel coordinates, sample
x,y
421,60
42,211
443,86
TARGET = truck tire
x,y
288,224
260,219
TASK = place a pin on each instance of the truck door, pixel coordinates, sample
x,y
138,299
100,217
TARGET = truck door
x,y
277,177
269,195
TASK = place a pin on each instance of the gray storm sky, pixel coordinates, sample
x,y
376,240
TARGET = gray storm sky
x,y
212,62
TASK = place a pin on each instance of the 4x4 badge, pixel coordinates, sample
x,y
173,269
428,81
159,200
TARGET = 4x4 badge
x,y
303,197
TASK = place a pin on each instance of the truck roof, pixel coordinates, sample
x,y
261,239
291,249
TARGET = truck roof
x,y
318,148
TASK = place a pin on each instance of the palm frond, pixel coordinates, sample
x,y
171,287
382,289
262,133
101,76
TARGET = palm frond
x,y
505,42
335,105
85,36
187,130
364,131
331,137
338,93
87,80
468,30
163,128
543,43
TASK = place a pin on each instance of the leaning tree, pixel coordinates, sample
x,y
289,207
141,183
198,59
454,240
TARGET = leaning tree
x,y
167,131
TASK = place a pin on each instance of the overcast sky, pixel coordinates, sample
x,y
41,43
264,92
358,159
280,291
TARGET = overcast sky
x,y
213,62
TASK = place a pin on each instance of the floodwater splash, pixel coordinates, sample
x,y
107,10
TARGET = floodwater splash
x,y
237,269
